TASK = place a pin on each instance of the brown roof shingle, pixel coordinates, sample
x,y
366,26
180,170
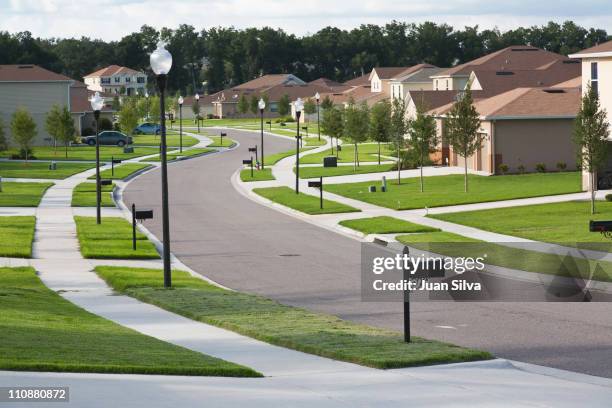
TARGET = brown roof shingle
x,y
605,47
111,70
29,73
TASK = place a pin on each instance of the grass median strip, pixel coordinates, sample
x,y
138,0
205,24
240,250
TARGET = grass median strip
x,y
84,195
276,157
112,239
186,153
302,202
312,172
172,139
366,153
86,153
22,194
16,236
258,175
122,171
447,190
285,326
217,142
385,225
40,170
41,331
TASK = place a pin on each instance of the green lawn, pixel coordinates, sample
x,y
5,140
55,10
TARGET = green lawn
x,y
227,142
86,153
367,153
41,331
312,172
16,236
22,194
385,225
40,170
186,153
258,175
281,325
443,191
302,202
172,139
122,171
84,195
112,239
276,157
449,244
566,223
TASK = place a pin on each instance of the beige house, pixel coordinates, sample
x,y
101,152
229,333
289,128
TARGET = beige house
x,y
114,78
80,107
35,89
416,78
597,71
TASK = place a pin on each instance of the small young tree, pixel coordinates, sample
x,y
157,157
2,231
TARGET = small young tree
x,y
310,107
154,109
3,141
356,124
326,103
52,125
462,127
591,130
254,104
380,123
24,131
332,124
116,105
143,107
398,129
243,104
128,118
67,129
423,137
284,105
195,108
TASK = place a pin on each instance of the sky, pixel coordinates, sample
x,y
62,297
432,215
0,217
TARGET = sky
x,y
112,19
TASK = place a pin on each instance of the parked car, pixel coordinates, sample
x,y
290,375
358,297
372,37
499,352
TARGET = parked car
x,y
108,138
147,129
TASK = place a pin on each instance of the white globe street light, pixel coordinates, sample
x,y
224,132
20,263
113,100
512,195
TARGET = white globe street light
x,y
262,105
97,103
298,105
161,60
318,98
180,103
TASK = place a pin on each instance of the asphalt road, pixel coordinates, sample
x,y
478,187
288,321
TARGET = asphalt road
x,y
252,248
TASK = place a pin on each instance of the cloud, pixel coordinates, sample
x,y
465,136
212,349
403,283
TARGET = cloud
x,y
112,19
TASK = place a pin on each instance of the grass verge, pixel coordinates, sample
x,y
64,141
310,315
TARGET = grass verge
x,y
41,331
385,225
84,195
172,139
112,239
258,175
281,325
40,170
443,191
227,142
302,202
22,194
186,153
276,157
312,172
122,171
85,153
367,153
16,236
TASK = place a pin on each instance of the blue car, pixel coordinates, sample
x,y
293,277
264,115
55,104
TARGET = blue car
x,y
147,129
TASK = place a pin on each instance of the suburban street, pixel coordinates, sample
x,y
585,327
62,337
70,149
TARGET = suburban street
x,y
252,248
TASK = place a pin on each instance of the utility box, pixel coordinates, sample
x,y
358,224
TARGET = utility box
x,y
53,165
330,161
372,189
128,149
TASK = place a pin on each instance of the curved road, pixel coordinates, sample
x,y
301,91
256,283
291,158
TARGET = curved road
x,y
252,248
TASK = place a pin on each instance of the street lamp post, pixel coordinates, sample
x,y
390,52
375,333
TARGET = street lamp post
x,y
180,103
97,103
197,101
298,105
318,98
262,106
161,62
147,96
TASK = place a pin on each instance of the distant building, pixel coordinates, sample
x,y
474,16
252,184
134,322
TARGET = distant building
x,y
116,80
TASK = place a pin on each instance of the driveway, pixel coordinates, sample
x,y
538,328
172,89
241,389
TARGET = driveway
x,y
255,249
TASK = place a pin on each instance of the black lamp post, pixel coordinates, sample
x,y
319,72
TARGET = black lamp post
x,y
161,62
180,102
97,103
197,101
318,98
298,105
262,106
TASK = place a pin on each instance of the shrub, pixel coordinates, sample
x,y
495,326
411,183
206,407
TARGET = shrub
x,y
503,168
284,119
540,167
608,197
561,166
210,116
105,124
23,153
521,169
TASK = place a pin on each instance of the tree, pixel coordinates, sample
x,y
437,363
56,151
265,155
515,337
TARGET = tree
x,y
380,123
591,131
243,104
24,131
254,104
423,137
326,103
66,129
143,107
398,130
52,124
116,105
462,125
128,117
3,141
284,105
310,107
356,124
154,109
195,108
332,124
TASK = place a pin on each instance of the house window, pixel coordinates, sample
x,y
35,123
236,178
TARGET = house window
x,y
128,79
140,80
117,80
447,84
274,107
105,81
595,77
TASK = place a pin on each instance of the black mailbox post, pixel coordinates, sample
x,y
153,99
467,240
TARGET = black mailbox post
x,y
254,150
113,162
319,185
139,215
223,134
269,122
249,162
106,182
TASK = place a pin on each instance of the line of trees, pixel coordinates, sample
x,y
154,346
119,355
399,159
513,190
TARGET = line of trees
x,y
226,56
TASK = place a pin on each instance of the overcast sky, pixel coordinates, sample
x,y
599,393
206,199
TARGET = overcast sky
x,y
111,19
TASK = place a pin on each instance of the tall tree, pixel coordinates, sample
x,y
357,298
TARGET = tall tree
x,y
254,104
591,131
243,104
66,129
462,129
332,124
423,137
399,128
24,131
356,124
284,105
128,117
195,108
310,106
380,123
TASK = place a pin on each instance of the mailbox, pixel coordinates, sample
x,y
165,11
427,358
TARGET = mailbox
x,y
600,226
253,149
223,134
316,184
127,149
116,161
330,161
305,128
339,148
283,124
247,161
142,215
106,182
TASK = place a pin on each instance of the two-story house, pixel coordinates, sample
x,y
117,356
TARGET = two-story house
x,y
117,80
